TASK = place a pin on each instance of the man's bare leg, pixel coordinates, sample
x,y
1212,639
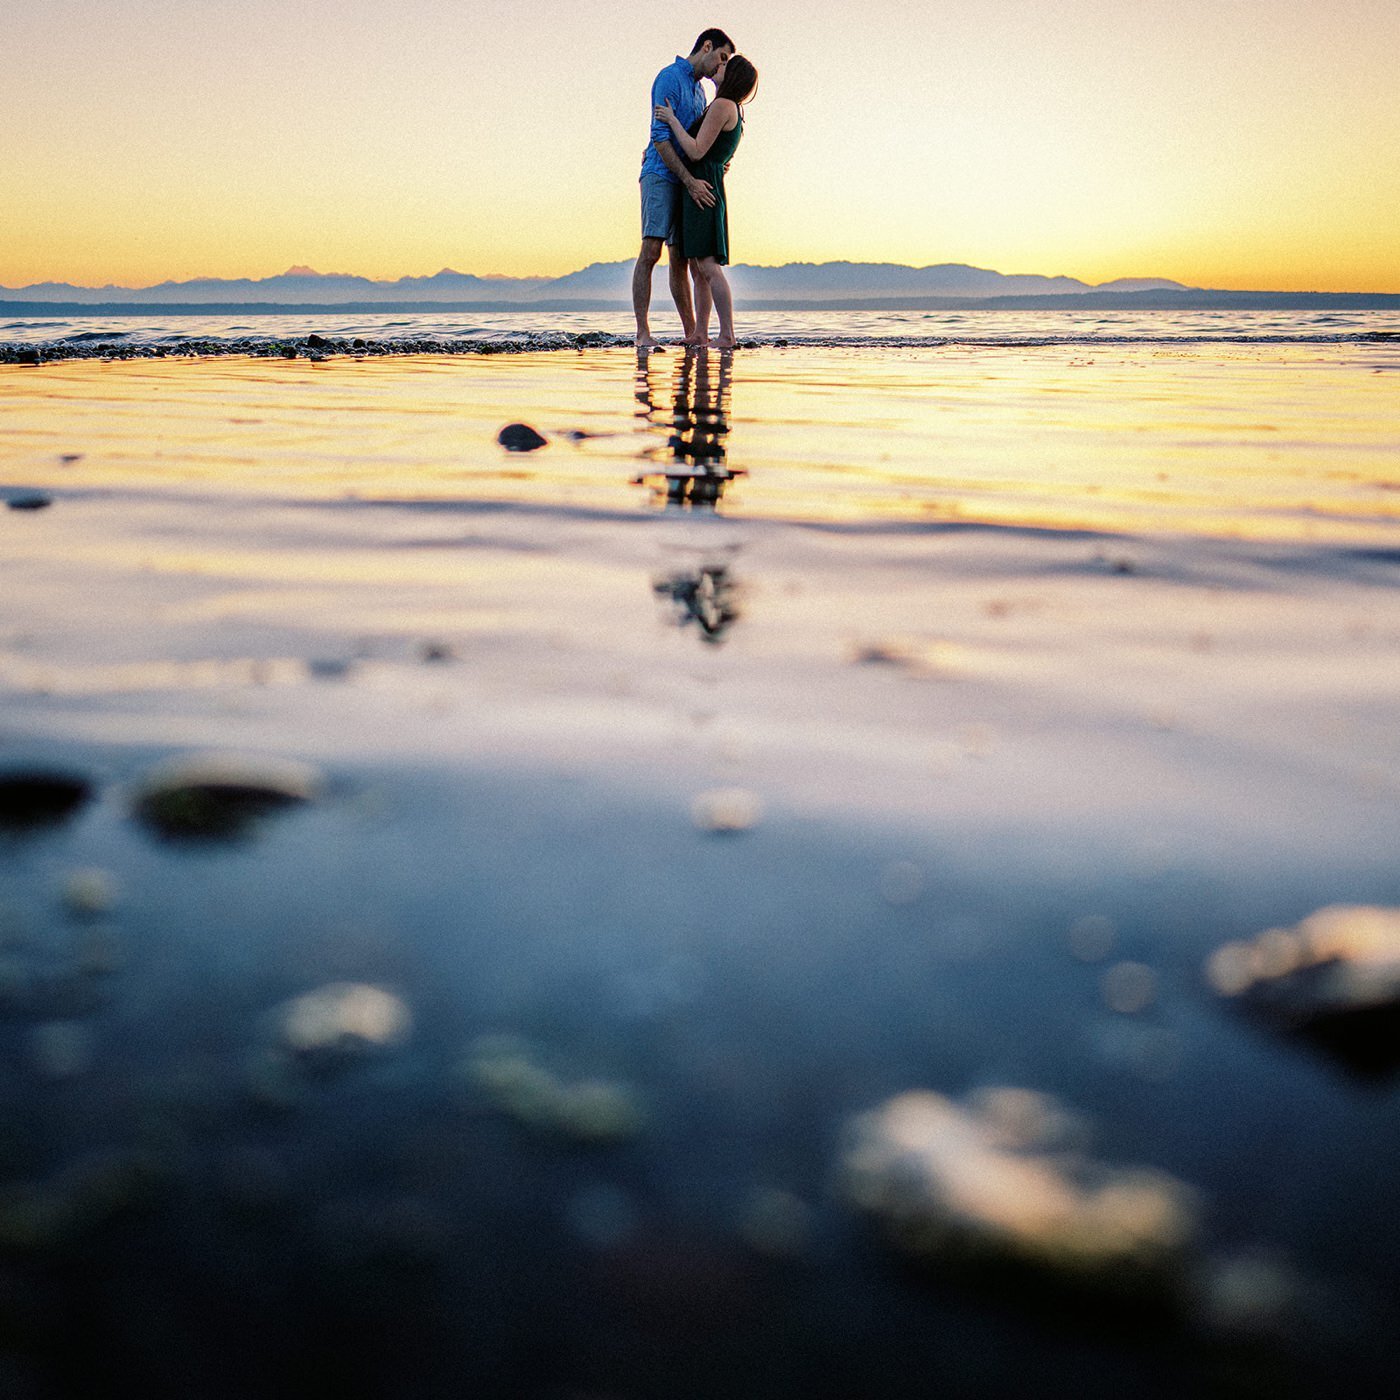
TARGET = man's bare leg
x,y
680,292
641,289
703,302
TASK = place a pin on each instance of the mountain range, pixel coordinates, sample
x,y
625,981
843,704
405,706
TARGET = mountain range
x,y
599,282
607,287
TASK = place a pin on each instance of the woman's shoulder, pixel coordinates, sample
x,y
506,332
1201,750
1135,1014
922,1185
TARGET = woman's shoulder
x,y
726,108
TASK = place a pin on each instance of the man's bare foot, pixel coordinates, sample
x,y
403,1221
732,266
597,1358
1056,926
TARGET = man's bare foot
x,y
726,343
644,342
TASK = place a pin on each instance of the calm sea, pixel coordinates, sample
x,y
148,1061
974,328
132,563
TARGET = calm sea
x,y
853,327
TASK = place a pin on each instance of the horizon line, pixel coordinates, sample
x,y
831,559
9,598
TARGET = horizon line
x,y
304,270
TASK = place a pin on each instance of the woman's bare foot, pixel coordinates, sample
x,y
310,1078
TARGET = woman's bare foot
x,y
726,342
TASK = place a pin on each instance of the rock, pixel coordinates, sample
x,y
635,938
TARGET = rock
x,y
220,796
520,437
990,1188
508,1072
35,797
343,1022
29,500
724,811
90,892
317,342
1333,978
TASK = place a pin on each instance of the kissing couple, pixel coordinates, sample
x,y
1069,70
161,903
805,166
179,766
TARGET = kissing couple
x,y
682,185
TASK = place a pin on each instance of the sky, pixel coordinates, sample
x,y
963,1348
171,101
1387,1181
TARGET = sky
x,y
1224,143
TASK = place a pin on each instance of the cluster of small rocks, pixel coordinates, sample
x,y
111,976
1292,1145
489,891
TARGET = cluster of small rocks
x,y
310,347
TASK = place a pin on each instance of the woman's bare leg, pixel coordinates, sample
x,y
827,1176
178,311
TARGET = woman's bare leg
x,y
724,303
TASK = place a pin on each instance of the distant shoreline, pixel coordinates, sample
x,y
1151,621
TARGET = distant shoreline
x,y
1156,300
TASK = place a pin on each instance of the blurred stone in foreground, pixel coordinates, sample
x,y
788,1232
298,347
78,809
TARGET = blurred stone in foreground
x,y
215,796
996,1188
1333,978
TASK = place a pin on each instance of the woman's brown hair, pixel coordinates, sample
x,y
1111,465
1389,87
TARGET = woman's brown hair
x,y
740,80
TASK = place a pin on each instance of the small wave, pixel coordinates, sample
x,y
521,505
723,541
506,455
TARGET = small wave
x,y
119,345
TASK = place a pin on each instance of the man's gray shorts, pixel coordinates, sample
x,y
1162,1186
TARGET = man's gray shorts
x,y
660,208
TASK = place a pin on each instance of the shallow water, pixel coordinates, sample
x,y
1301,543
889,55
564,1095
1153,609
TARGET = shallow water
x,y
793,731
1295,442
159,328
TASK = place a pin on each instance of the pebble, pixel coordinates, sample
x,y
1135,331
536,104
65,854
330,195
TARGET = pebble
x,y
1333,978
1250,1293
340,1023
978,1184
29,500
724,811
1091,938
1129,987
214,795
90,892
520,437
590,1111
35,798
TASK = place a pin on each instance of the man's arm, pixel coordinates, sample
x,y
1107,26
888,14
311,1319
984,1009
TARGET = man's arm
x,y
699,190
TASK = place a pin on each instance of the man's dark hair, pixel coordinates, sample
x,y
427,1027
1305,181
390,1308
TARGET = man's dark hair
x,y
715,38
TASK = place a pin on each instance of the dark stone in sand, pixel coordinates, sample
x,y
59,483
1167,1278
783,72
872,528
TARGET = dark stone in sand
x,y
28,357
317,342
220,797
329,668
29,500
519,437
289,352
33,799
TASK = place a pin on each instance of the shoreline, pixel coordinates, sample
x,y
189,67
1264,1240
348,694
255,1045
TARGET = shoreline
x,y
315,347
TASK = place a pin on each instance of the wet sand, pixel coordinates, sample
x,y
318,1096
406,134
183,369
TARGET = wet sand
x,y
790,734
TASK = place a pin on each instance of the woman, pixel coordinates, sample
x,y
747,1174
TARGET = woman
x,y
705,232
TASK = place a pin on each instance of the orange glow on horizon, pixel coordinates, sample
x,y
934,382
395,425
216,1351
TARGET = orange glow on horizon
x,y
237,141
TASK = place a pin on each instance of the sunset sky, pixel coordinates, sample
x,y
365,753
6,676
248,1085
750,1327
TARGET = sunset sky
x,y
1225,143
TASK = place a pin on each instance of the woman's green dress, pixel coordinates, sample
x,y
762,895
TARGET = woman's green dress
x,y
705,232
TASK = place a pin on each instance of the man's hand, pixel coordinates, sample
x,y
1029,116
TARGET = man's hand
x,y
701,191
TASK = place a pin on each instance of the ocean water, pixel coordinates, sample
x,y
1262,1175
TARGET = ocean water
x,y
145,327
916,706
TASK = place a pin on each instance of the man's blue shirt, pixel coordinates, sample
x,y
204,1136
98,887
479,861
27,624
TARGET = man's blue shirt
x,y
679,86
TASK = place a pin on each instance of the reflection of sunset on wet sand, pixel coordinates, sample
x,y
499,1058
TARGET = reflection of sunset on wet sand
x,y
900,832
1285,442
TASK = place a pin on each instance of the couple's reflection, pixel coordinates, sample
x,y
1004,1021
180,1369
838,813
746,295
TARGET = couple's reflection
x,y
707,597
691,473
692,469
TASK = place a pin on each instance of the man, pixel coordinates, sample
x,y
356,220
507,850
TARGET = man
x,y
665,181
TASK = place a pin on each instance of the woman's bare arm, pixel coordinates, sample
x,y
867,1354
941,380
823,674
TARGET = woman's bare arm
x,y
717,119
